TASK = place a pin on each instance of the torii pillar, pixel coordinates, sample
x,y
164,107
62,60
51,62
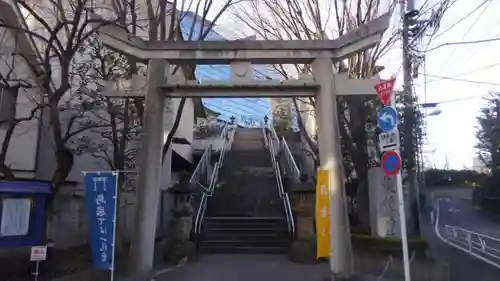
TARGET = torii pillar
x,y
240,54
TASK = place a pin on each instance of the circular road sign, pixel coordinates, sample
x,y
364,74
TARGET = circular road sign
x,y
387,119
391,163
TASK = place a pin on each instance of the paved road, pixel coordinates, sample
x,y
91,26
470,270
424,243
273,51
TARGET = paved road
x,y
249,268
457,211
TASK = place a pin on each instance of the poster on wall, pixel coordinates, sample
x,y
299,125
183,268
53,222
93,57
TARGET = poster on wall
x,y
15,219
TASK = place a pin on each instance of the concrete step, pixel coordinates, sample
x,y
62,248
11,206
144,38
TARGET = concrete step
x,y
245,158
244,235
231,249
246,195
248,139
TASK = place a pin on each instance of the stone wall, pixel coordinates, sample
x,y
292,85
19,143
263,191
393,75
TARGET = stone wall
x,y
384,210
68,223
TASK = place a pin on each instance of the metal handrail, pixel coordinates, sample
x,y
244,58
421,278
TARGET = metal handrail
x,y
266,140
290,161
473,242
208,192
283,195
201,175
291,165
273,131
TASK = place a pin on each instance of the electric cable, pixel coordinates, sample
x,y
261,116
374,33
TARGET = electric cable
x,y
460,80
443,7
460,99
464,43
463,73
488,2
461,19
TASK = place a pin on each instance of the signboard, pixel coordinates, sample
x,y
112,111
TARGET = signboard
x,y
388,141
38,253
387,119
391,163
15,216
384,90
322,212
100,201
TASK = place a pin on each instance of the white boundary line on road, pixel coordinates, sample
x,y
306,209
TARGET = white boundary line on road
x,y
438,234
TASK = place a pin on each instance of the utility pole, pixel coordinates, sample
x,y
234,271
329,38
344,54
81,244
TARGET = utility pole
x,y
408,13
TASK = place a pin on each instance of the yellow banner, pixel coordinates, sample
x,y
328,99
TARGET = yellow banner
x,y
322,214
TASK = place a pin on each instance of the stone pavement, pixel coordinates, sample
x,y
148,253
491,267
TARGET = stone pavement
x,y
247,268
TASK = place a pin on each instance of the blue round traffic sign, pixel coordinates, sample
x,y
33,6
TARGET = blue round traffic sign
x,y
391,163
387,119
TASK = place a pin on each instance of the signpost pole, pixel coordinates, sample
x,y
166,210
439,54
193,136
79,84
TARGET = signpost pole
x,y
388,123
402,213
37,267
38,253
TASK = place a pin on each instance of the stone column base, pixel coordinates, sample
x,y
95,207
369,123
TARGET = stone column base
x,y
181,251
303,251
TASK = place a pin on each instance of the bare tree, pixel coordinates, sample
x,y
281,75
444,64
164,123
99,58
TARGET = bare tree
x,y
320,20
12,87
179,20
58,29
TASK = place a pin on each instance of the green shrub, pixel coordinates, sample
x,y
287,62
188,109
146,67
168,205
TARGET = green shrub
x,y
388,245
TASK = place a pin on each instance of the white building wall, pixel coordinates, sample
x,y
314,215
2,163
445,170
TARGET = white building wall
x,y
68,223
186,128
87,162
21,154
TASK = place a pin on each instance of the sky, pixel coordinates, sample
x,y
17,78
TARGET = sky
x,y
451,134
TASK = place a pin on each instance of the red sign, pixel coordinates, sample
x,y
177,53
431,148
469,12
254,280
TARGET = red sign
x,y
391,163
384,90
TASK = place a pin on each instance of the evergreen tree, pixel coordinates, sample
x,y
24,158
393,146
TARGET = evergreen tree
x,y
488,138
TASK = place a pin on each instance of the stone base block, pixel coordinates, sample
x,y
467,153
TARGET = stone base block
x,y
303,251
181,252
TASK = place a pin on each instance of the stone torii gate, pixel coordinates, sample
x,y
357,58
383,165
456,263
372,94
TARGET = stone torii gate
x,y
240,54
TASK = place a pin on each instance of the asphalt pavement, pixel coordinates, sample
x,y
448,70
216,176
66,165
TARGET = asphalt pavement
x,y
455,209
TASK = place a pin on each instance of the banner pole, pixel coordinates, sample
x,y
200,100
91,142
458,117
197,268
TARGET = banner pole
x,y
113,254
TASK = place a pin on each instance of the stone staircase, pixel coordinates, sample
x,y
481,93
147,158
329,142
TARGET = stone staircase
x,y
246,214
245,235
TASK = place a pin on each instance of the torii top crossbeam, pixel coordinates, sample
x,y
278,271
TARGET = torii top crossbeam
x,y
254,51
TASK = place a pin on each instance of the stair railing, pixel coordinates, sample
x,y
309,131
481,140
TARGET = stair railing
x,y
202,174
290,165
228,137
266,139
282,193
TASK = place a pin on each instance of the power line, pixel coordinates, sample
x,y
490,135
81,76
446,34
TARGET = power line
x,y
436,16
465,73
461,80
487,2
459,99
465,43
461,19
477,69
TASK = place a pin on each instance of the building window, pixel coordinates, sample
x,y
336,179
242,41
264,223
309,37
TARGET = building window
x,y
8,101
